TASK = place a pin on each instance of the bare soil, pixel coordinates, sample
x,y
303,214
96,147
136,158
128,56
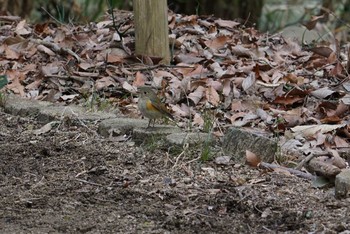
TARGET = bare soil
x,y
71,180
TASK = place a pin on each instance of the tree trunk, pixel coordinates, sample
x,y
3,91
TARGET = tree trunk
x,y
151,29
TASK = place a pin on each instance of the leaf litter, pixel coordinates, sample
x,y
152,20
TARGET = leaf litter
x,y
256,80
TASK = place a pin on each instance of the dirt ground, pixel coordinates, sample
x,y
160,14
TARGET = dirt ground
x,y
71,180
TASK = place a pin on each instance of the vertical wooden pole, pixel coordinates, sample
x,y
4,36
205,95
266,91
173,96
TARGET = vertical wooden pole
x,y
151,28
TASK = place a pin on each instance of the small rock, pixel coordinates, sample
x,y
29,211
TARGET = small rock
x,y
169,181
191,138
140,134
342,184
223,160
119,126
237,140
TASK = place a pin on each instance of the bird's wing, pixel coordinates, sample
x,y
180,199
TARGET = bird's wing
x,y
161,108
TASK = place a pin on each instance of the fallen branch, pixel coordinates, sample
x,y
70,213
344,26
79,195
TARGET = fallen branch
x,y
264,165
321,168
56,48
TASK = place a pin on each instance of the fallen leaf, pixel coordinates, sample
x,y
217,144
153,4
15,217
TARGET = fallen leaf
x,y
252,159
139,80
46,128
212,96
249,81
217,43
226,23
68,97
223,160
322,93
290,100
104,83
197,95
311,130
21,28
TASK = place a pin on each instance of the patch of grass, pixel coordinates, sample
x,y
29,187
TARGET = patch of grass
x,y
206,153
208,127
209,120
96,103
3,99
153,143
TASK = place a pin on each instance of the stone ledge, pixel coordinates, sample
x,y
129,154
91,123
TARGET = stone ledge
x,y
237,140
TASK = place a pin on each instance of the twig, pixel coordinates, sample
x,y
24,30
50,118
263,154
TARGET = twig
x,y
57,48
188,162
304,161
290,170
153,67
177,158
10,18
88,182
77,78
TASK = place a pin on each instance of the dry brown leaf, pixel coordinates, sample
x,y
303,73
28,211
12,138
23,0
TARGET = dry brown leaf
x,y
217,69
15,78
198,72
104,83
226,23
290,100
311,130
323,51
34,85
46,128
50,69
139,80
10,53
129,87
197,95
331,120
337,160
322,93
69,97
249,81
342,108
239,50
21,28
320,138
217,85
111,58
312,23
346,99
265,77
212,96
226,90
252,159
337,69
86,66
340,142
236,105
45,50
182,110
198,120
188,59
218,42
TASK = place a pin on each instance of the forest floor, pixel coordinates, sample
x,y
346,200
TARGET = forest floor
x,y
222,74
71,180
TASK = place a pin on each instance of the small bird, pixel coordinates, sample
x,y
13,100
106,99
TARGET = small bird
x,y
150,105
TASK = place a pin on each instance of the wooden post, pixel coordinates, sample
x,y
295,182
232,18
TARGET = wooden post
x,y
151,29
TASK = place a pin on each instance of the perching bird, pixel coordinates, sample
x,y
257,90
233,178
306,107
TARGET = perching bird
x,y
150,105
